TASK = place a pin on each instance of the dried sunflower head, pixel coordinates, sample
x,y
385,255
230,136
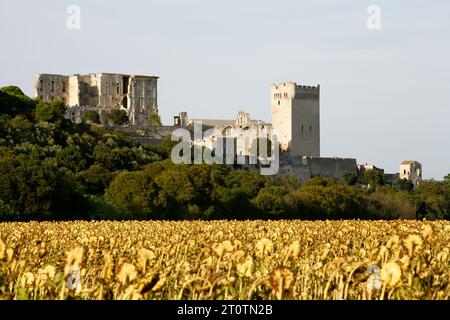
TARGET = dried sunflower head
x,y
281,280
263,247
391,274
2,249
127,273
412,242
246,269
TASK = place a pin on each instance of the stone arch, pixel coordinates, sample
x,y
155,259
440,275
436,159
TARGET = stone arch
x,y
227,131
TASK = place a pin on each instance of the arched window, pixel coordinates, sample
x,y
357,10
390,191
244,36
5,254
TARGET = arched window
x,y
227,132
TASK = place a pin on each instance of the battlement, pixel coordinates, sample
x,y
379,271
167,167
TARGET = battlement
x,y
307,89
295,88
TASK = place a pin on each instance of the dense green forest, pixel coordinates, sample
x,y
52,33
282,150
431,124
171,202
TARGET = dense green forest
x,y
53,169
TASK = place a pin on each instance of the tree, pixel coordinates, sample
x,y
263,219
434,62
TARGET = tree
x,y
387,203
248,182
320,181
432,201
337,201
14,102
117,117
136,194
350,178
405,185
32,186
374,178
50,112
447,178
166,146
96,179
177,183
112,157
271,201
91,116
155,119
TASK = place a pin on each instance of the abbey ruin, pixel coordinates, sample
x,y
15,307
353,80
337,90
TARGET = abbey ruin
x,y
295,118
101,92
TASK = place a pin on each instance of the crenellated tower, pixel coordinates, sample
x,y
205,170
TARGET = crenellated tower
x,y
296,116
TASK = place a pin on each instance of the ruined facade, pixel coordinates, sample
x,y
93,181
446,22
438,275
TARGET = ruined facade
x,y
243,129
102,92
296,116
411,170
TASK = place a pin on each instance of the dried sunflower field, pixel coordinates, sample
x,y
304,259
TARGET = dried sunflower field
x,y
225,260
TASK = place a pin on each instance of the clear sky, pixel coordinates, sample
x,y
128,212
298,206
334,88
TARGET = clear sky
x,y
385,93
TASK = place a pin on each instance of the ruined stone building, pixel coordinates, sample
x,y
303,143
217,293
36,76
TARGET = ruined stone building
x,y
295,121
411,170
102,92
244,129
295,118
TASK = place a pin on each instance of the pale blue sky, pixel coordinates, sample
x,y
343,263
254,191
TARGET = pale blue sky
x,y
385,94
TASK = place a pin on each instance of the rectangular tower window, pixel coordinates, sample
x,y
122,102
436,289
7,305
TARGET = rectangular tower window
x,y
125,84
41,85
64,87
53,86
118,88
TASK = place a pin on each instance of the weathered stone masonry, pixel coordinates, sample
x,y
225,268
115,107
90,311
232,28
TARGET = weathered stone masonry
x,y
102,92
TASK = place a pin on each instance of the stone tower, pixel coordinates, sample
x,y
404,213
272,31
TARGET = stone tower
x,y
411,170
296,116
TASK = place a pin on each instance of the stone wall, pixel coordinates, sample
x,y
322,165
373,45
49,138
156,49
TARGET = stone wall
x,y
142,99
306,121
304,168
49,87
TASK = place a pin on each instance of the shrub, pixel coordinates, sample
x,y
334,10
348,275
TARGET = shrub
x,y
272,201
50,112
30,185
91,116
155,119
136,195
117,117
